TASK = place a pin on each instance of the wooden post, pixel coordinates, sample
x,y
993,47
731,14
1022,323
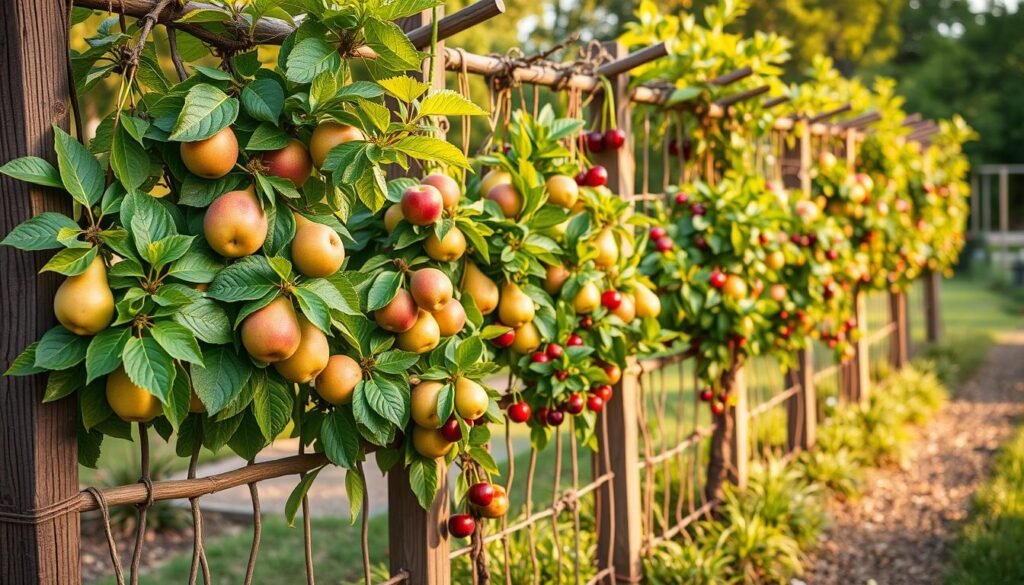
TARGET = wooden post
x,y
805,159
39,530
619,529
739,462
975,206
1004,219
857,373
899,346
417,538
802,407
932,312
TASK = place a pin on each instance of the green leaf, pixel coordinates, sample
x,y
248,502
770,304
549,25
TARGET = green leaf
x,y
355,490
331,295
179,399
387,400
205,15
39,232
404,88
129,160
314,308
92,403
339,438
402,8
264,100
272,406
104,352
432,149
246,280
394,50
214,74
267,137
423,480
291,507
70,261
148,366
33,169
446,102
167,250
80,173
216,433
24,364
197,266
383,290
485,459
396,362
207,320
207,111
59,349
468,352
220,379
148,219
308,58
177,341
247,441
62,383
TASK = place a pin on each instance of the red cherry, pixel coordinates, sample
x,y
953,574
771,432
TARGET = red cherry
x,y
554,351
595,403
706,395
555,417
581,178
461,525
586,322
698,209
717,408
717,279
832,254
505,339
573,405
574,341
657,232
700,242
597,176
540,358
785,332
784,314
664,244
614,138
451,431
519,412
682,198
561,375
611,299
481,494
595,141
541,415
673,147
604,391
687,150
740,341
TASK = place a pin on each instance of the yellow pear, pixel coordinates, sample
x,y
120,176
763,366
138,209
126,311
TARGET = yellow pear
x,y
587,299
516,307
447,249
626,309
607,248
309,359
128,401
647,303
84,304
430,442
492,179
451,318
423,336
479,286
470,399
317,250
555,278
392,217
423,403
339,379
527,339
562,191
272,333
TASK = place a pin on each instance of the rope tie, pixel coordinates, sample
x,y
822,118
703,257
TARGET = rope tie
x,y
43,514
101,501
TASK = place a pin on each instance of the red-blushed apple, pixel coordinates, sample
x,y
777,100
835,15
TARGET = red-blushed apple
x,y
422,205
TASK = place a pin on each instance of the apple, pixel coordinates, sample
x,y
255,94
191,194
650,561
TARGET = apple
x,y
422,205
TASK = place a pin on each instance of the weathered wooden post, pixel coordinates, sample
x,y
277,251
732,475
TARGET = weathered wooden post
x,y
932,312
418,539
623,444
802,407
857,373
739,463
899,345
39,522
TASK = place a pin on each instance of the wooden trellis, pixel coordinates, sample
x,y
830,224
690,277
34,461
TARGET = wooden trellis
x,y
40,500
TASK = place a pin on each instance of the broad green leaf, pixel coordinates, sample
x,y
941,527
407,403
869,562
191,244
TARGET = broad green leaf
x,y
394,50
59,349
264,100
207,111
331,295
92,403
39,232
70,261
61,383
217,433
148,219
247,440
446,102
387,400
267,137
79,171
246,280
272,406
104,353
404,88
355,490
207,320
314,308
33,169
24,364
291,507
179,399
177,341
374,428
167,250
383,290
129,160
205,15
402,8
221,378
196,266
396,362
339,438
309,57
432,149
148,366
423,480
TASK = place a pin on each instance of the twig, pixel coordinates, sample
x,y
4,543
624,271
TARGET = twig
x,y
172,43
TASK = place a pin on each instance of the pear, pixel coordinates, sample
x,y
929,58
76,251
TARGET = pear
x,y
423,336
470,399
587,299
317,250
430,442
607,248
451,318
492,179
392,217
647,303
626,309
128,401
430,288
479,286
84,304
556,275
562,191
527,339
272,333
309,359
447,249
423,402
398,315
516,307
339,379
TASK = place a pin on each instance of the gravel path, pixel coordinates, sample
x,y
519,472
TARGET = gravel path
x,y
901,530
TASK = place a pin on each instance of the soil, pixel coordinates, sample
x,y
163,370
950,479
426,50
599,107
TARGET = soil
x,y
900,531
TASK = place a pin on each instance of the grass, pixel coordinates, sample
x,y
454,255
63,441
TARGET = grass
x,y
989,548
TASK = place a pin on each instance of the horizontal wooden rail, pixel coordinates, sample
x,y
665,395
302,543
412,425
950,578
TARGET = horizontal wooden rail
x,y
829,114
180,489
772,402
825,373
453,24
653,541
633,60
881,334
861,121
689,442
741,97
775,101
